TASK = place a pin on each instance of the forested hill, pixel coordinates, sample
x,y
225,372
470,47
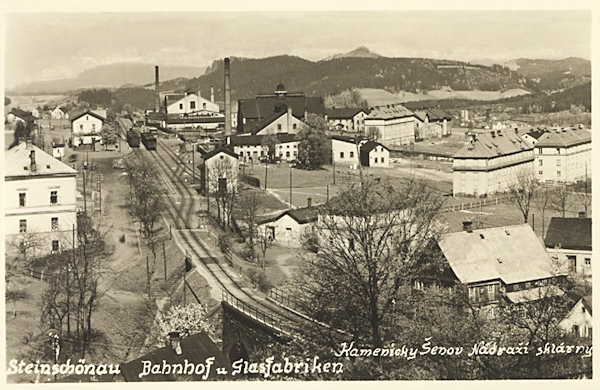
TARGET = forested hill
x,y
329,77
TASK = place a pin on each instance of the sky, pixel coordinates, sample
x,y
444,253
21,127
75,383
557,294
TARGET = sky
x,y
45,46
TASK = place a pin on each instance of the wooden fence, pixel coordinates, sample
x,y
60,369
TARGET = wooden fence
x,y
479,203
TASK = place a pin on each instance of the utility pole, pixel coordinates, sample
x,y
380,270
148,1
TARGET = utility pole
x,y
184,280
333,162
193,165
266,172
327,193
84,194
165,260
291,187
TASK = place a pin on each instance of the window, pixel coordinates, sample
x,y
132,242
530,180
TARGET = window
x,y
287,146
295,153
541,162
557,150
375,159
53,197
287,153
81,127
22,226
588,262
341,154
351,154
279,127
21,199
54,223
54,245
572,261
558,173
192,105
181,106
382,160
558,163
93,127
294,126
490,289
471,292
540,173
576,330
204,106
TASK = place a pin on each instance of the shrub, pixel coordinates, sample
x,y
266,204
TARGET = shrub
x,y
224,242
122,239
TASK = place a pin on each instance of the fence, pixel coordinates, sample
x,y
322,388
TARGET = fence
x,y
283,298
251,180
254,313
42,275
474,204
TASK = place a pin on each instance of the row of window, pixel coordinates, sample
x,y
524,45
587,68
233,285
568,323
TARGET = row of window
x,y
541,173
542,162
23,224
23,198
279,126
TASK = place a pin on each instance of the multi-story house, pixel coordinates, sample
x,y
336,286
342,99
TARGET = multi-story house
x,y
491,163
506,264
86,130
253,147
347,119
395,124
431,123
40,200
563,155
572,237
189,103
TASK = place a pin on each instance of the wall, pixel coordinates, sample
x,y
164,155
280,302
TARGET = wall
x,y
382,155
284,124
570,162
288,231
580,264
349,150
184,105
395,131
580,317
222,165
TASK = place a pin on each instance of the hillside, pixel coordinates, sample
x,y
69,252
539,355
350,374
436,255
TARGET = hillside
x,y
554,75
359,52
112,75
324,78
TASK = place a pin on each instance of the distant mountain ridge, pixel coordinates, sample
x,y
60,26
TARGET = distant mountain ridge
x,y
112,75
359,52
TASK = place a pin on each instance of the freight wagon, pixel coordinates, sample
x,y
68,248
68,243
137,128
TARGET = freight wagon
x,y
149,141
133,138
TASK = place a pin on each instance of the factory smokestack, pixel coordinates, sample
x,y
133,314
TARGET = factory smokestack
x,y
212,94
157,98
227,100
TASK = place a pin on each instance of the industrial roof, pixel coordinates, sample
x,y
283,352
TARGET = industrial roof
x,y
486,146
390,111
17,163
569,233
564,138
512,254
264,105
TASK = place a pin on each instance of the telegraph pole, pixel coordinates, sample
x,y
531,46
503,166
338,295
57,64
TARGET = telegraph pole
x,y
291,187
333,162
193,165
266,169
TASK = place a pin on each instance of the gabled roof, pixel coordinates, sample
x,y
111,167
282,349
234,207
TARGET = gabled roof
x,y
370,145
348,139
536,133
74,118
486,146
25,115
344,113
17,163
437,114
264,105
512,254
569,233
301,215
390,111
195,349
208,155
587,303
564,138
173,98
63,109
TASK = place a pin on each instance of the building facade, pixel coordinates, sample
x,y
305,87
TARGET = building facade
x,y
253,148
579,322
374,154
189,103
344,149
86,130
219,170
286,229
394,123
572,238
491,163
563,156
347,119
40,200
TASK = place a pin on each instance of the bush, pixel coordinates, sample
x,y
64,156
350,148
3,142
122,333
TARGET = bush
x,y
122,239
259,279
224,242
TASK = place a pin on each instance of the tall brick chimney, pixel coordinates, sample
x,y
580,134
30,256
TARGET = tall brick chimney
x,y
227,90
157,97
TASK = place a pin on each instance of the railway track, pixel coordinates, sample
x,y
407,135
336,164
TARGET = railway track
x,y
275,316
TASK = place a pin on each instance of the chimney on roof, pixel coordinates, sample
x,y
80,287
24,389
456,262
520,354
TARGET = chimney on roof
x,y
157,97
212,94
499,133
308,202
493,134
227,90
467,226
175,342
32,161
289,119
473,137
582,214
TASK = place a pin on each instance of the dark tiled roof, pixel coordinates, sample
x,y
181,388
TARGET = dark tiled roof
x,y
587,303
88,113
564,138
302,215
257,139
486,146
344,113
390,111
569,233
174,97
196,349
25,115
217,150
370,145
536,133
263,106
345,138
437,114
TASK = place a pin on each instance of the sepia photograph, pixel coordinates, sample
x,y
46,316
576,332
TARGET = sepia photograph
x,y
288,192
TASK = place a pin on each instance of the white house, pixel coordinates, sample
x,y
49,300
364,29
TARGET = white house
x,y
17,115
572,237
532,136
432,122
563,155
58,148
374,154
40,200
395,124
347,119
86,130
59,113
253,147
287,228
344,149
491,163
282,122
579,320
219,170
189,103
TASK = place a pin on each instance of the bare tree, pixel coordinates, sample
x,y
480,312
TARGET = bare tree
x,y
269,142
264,241
372,133
542,201
222,184
522,193
561,200
249,208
